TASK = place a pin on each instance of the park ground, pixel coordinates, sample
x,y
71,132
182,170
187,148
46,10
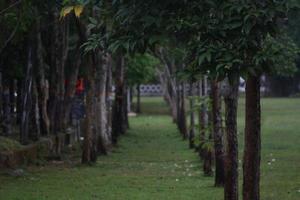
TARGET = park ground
x,y
153,162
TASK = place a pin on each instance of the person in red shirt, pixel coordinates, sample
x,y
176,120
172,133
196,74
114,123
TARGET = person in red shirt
x,y
80,87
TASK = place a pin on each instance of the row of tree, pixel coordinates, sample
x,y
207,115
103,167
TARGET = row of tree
x,y
228,40
42,63
46,46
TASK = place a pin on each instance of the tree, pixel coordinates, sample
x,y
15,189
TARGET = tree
x,y
285,81
97,126
225,42
217,133
231,159
119,108
141,70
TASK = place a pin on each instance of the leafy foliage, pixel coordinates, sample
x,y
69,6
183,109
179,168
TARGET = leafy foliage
x,y
141,69
279,55
78,9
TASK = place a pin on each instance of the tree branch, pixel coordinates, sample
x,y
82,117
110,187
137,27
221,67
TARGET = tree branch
x,y
11,6
10,37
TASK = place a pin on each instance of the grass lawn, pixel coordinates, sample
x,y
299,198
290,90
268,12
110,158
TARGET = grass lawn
x,y
152,162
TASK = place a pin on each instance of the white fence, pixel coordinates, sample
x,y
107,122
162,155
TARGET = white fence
x,y
151,90
156,90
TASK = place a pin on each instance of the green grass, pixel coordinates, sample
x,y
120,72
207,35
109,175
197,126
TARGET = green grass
x,y
280,141
152,106
152,162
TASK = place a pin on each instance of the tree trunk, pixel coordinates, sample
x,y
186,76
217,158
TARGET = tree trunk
x,y
231,156
19,101
171,99
169,83
42,84
129,101
207,163
192,119
26,100
208,146
182,112
131,95
62,57
217,133
202,116
101,123
89,152
73,77
252,151
12,90
1,95
35,130
118,115
138,103
125,108
43,91
125,99
178,108
7,119
71,87
109,98
60,34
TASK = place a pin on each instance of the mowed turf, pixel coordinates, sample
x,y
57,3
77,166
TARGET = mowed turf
x,y
152,162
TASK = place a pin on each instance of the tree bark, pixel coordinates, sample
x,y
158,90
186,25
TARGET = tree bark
x,y
6,118
171,99
60,54
1,101
252,151
42,84
71,86
207,163
231,156
89,152
109,98
118,114
182,112
1,95
125,98
208,146
178,108
192,119
169,83
129,106
101,124
202,116
26,100
19,101
217,133
35,130
138,102
73,77
125,102
12,90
